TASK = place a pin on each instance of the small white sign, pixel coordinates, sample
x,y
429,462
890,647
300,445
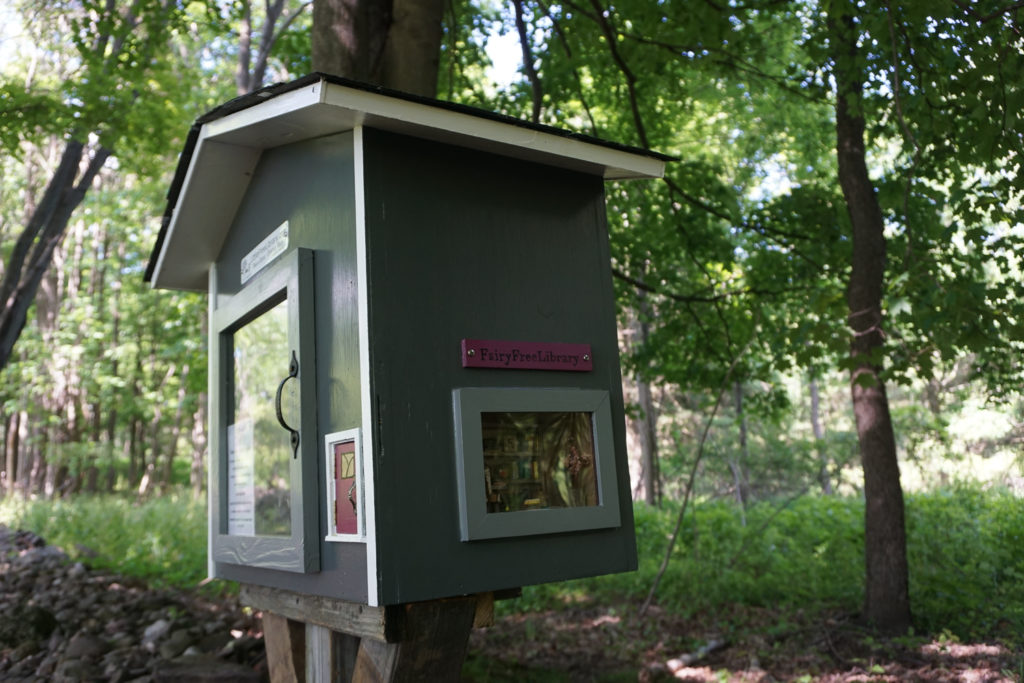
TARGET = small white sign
x,y
241,480
275,244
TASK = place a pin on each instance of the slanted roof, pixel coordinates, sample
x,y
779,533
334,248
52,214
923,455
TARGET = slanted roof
x,y
224,146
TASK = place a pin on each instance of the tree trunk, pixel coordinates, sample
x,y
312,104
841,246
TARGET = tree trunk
x,y
886,599
11,445
647,425
33,251
167,476
243,69
819,438
5,471
98,296
53,402
393,43
37,476
156,445
115,341
648,442
24,450
251,67
197,476
131,449
738,465
92,479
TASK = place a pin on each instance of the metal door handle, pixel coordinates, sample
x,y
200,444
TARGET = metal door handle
x,y
293,371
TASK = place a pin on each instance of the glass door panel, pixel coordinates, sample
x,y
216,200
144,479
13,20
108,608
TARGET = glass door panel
x,y
263,440
260,497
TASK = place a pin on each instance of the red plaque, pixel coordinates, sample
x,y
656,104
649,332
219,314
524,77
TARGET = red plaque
x,y
511,355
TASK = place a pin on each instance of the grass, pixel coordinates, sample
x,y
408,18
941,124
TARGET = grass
x,y
161,540
966,568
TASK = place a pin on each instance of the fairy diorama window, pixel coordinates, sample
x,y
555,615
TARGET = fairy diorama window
x,y
534,461
538,460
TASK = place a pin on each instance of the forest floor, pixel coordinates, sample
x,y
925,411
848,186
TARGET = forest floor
x,y
763,644
63,621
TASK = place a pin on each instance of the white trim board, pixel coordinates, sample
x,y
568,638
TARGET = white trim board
x,y
366,396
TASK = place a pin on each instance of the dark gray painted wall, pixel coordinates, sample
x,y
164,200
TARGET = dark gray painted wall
x,y
311,185
465,244
461,244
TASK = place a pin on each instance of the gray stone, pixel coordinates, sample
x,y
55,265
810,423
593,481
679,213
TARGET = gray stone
x,y
74,670
122,640
40,556
215,642
86,551
124,630
155,631
48,665
26,648
176,644
27,623
67,616
86,646
204,668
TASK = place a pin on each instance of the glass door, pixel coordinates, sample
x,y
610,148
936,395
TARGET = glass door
x,y
264,441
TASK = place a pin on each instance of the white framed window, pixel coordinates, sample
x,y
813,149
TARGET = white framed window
x,y
534,461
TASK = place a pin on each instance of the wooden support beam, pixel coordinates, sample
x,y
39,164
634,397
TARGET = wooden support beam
x,y
353,618
433,647
285,641
310,638
330,655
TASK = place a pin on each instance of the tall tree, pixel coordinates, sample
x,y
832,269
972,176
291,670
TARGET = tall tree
x,y
926,131
887,597
93,109
824,473
89,79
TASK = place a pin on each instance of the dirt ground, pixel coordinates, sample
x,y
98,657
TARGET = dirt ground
x,y
616,644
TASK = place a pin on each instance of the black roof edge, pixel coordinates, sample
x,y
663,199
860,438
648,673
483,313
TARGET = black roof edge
x,y
263,94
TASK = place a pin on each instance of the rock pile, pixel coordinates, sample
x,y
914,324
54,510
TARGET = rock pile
x,y
62,621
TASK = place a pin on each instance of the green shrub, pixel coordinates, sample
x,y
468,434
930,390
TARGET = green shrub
x,y
964,552
810,551
966,561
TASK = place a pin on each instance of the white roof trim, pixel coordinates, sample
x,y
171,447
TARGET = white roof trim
x,y
217,178
228,149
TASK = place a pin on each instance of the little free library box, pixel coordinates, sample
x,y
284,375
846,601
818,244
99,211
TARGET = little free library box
x,y
414,377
